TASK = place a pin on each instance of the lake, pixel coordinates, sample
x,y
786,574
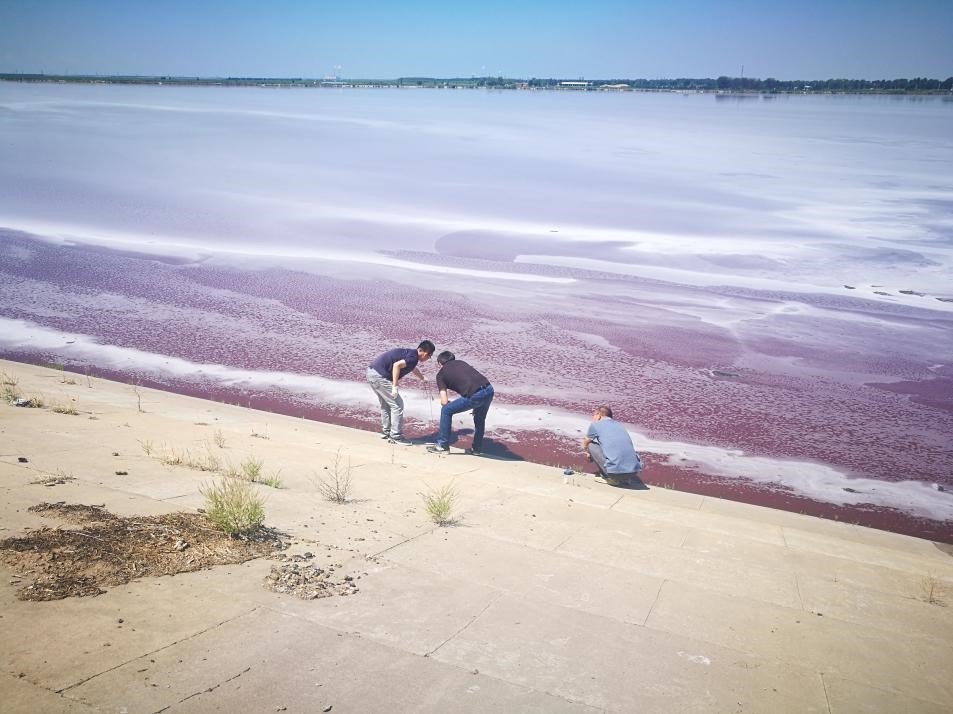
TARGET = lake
x,y
761,287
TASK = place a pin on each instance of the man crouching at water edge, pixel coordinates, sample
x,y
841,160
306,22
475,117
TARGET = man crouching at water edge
x,y
383,374
475,392
609,446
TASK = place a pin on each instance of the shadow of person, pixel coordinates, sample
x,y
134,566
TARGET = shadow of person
x,y
497,450
491,449
627,481
635,483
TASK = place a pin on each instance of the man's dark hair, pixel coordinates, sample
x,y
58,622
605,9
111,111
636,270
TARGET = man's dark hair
x,y
427,346
445,357
604,411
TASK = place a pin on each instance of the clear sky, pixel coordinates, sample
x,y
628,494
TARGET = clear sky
x,y
811,39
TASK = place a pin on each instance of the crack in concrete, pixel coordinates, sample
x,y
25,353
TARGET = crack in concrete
x,y
494,597
31,683
658,594
152,652
397,545
827,697
206,690
797,589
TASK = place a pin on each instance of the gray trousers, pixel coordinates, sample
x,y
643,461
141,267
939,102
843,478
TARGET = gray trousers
x,y
599,459
392,407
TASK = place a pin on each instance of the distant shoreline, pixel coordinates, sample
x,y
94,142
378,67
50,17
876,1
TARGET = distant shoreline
x,y
720,85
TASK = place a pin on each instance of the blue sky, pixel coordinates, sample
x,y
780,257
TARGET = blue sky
x,y
812,39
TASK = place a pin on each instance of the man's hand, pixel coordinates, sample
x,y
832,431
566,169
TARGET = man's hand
x,y
393,391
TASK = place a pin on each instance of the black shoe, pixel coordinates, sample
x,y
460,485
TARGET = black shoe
x,y
401,441
437,449
473,452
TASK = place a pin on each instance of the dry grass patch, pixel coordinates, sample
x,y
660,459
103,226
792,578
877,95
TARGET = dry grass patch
x,y
64,409
108,550
9,387
57,479
933,591
336,487
199,462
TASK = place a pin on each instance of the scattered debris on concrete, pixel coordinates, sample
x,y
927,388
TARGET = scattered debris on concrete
x,y
300,576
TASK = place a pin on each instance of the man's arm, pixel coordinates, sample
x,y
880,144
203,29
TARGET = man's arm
x,y
418,374
443,398
588,439
395,373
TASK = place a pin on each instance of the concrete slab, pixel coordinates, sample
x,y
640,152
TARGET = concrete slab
x,y
468,556
815,640
643,505
547,522
233,668
880,610
542,589
918,564
847,697
21,697
624,668
756,580
60,644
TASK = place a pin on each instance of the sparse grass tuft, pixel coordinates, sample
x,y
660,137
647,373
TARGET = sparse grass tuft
x,y
11,392
135,388
36,402
8,380
201,462
233,506
60,477
439,504
252,468
64,409
219,438
146,445
260,436
932,591
273,481
337,487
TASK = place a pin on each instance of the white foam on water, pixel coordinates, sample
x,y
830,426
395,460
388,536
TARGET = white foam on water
x,y
170,247
810,479
819,284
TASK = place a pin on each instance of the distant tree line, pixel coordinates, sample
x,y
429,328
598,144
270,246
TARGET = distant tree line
x,y
751,84
706,84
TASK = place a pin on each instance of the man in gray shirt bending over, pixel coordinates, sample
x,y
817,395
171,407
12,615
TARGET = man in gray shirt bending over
x,y
609,446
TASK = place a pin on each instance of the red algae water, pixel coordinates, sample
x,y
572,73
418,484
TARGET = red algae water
x,y
768,310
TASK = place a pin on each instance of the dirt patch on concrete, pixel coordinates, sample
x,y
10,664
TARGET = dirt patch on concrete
x,y
109,550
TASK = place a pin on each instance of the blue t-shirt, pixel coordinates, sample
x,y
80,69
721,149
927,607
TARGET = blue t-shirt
x,y
383,364
616,446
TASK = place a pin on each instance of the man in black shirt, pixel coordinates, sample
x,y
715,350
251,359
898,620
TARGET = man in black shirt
x,y
475,392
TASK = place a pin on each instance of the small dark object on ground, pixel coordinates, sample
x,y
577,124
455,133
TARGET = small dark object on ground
x,y
122,473
23,460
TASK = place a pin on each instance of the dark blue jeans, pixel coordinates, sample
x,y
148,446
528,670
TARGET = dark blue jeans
x,y
479,402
